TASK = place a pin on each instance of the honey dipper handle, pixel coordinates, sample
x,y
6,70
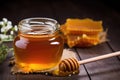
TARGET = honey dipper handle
x,y
99,57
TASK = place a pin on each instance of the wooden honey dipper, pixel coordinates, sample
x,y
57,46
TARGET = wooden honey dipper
x,y
71,64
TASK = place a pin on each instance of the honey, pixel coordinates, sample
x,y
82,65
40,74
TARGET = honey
x,y
40,47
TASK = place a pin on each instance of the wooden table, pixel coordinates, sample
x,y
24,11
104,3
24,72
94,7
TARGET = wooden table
x,y
108,69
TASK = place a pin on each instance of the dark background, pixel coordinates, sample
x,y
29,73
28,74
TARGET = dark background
x,y
16,10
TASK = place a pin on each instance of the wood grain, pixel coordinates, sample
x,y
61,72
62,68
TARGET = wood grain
x,y
101,70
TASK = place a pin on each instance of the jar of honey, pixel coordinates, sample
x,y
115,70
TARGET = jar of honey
x,y
39,44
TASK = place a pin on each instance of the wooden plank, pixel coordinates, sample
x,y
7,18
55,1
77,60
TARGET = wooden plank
x,y
43,77
103,69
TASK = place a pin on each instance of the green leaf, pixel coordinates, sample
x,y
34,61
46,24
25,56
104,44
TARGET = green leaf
x,y
3,53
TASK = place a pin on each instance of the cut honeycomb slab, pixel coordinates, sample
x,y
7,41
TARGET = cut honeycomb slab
x,y
80,26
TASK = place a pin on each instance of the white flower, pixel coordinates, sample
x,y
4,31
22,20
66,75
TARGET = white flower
x,y
1,23
15,27
5,28
8,27
5,20
9,23
3,36
2,29
11,32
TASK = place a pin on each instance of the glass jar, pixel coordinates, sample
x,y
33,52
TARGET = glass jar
x,y
39,44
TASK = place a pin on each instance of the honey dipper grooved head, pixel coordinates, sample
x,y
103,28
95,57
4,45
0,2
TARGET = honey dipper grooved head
x,y
68,65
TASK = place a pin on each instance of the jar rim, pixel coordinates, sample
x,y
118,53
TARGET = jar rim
x,y
48,22
27,19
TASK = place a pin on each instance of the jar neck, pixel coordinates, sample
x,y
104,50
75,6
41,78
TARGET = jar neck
x,y
56,33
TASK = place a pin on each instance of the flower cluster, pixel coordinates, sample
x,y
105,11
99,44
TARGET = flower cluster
x,y
7,33
7,30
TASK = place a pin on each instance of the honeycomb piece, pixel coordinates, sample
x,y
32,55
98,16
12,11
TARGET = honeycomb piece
x,y
82,40
83,26
83,32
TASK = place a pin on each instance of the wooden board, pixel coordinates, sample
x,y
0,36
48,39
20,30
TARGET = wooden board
x,y
103,69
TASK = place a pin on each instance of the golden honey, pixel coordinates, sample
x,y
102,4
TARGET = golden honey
x,y
39,45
